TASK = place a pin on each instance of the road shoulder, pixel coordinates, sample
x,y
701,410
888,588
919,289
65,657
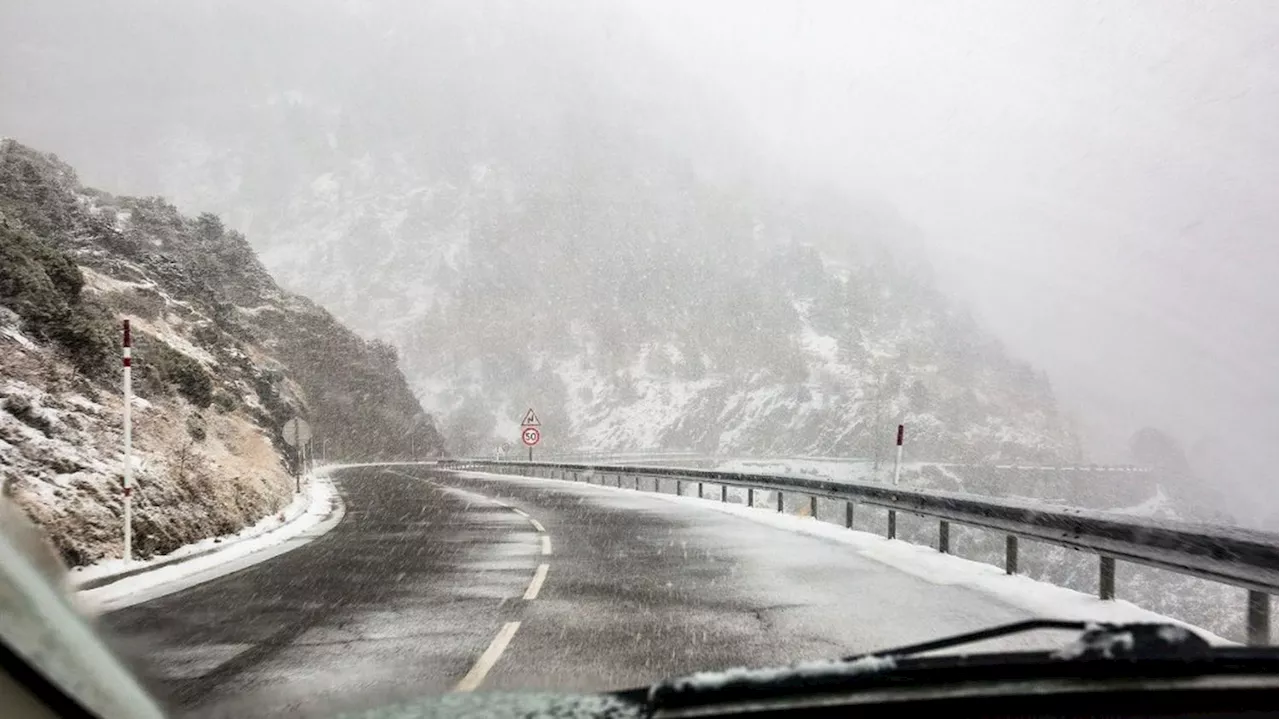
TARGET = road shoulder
x,y
322,511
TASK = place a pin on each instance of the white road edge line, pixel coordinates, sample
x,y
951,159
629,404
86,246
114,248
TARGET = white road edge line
x,y
490,657
537,525
539,576
546,544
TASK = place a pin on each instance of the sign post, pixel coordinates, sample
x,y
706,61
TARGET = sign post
x,y
127,361
297,433
529,433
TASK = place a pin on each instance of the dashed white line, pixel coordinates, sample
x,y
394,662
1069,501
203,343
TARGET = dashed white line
x,y
493,653
539,577
490,657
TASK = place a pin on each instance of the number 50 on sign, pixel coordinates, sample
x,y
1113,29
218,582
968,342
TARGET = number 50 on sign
x,y
530,436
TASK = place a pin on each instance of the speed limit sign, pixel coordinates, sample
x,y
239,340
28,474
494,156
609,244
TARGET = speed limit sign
x,y
530,436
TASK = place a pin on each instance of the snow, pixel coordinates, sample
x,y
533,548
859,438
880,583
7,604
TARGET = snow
x,y
1157,506
16,335
104,283
164,331
308,510
530,705
846,470
705,681
294,510
325,186
1106,643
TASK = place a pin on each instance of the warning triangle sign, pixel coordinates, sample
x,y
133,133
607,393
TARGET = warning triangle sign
x,y
531,419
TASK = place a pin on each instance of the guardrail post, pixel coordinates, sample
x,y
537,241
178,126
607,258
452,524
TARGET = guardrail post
x,y
1106,577
893,524
751,496
813,506
724,493
848,515
1010,554
779,500
944,536
1259,618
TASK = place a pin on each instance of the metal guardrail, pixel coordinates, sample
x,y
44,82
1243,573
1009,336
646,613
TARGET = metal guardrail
x,y
1239,557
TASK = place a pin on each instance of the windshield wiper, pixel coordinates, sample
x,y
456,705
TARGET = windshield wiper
x,y
1097,640
1099,651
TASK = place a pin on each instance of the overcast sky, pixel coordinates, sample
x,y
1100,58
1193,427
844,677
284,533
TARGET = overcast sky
x,y
1098,179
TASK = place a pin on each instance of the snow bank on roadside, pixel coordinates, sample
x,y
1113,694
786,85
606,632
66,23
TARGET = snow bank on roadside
x,y
107,567
317,498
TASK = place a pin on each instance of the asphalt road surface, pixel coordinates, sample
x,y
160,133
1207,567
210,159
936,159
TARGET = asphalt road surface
x,y
438,581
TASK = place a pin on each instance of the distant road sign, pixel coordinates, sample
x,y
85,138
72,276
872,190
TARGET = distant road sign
x,y
531,419
296,432
530,436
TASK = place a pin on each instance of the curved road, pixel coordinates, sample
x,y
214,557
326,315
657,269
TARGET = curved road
x,y
420,588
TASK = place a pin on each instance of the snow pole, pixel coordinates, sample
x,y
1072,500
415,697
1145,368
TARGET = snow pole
x,y
127,360
897,473
897,461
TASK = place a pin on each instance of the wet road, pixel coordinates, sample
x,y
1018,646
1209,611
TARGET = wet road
x,y
436,581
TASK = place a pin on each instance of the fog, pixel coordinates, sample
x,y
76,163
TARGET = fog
x,y
1097,180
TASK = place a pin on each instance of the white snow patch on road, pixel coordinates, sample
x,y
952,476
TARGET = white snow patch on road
x,y
318,500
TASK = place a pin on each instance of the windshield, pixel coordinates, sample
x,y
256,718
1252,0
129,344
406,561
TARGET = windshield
x,y
352,352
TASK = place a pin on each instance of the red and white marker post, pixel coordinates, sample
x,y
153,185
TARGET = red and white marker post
x,y
897,461
897,471
127,359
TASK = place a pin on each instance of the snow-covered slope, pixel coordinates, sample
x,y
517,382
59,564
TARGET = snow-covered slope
x,y
651,321
222,359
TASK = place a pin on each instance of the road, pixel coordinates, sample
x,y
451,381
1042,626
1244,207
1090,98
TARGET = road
x,y
419,589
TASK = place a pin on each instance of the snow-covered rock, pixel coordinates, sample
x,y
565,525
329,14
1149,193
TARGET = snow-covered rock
x,y
221,359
